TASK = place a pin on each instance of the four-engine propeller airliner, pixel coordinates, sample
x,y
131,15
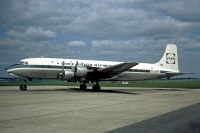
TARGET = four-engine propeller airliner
x,y
85,71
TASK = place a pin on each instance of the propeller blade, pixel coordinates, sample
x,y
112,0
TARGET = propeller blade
x,y
75,68
63,67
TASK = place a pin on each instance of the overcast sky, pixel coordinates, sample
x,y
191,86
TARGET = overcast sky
x,y
120,30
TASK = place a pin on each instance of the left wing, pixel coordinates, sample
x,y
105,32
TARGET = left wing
x,y
109,72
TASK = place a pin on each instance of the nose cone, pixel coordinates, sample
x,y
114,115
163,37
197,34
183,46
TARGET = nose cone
x,y
12,70
8,68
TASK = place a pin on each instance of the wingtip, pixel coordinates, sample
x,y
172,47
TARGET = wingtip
x,y
134,63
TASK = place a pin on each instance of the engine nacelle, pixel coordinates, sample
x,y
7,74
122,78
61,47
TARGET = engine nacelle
x,y
69,76
81,72
73,75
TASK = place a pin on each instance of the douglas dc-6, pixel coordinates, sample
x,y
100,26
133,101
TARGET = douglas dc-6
x,y
85,71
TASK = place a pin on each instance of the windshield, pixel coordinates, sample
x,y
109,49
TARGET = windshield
x,y
23,63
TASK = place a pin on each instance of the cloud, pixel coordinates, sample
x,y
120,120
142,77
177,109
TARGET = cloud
x,y
76,44
187,11
137,43
110,43
110,52
111,29
32,34
125,19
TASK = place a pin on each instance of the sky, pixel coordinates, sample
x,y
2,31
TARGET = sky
x,y
119,30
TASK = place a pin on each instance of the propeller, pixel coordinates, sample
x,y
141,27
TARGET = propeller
x,y
63,71
63,66
74,69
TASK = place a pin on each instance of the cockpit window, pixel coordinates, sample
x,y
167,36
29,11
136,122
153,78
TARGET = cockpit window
x,y
21,62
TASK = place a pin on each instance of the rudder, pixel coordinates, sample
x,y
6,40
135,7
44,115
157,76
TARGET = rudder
x,y
170,58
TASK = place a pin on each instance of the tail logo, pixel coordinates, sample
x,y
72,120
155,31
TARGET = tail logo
x,y
170,58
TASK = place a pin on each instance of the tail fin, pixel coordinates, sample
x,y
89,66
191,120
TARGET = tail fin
x,y
170,58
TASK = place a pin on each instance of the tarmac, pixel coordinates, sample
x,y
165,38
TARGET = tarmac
x,y
61,109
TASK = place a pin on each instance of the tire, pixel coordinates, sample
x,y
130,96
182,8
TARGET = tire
x,y
23,87
83,87
96,87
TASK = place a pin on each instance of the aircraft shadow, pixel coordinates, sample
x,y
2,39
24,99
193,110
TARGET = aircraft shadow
x,y
77,90
114,91
118,91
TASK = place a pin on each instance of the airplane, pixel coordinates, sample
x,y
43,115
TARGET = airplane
x,y
94,71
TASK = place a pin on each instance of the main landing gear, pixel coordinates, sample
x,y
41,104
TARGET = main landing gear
x,y
96,87
83,86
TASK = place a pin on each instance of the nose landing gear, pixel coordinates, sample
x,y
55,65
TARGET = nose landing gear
x,y
23,87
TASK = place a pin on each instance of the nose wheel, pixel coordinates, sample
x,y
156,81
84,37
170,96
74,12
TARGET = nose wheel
x,y
23,87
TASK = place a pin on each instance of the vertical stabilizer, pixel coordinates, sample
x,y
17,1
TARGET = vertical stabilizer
x,y
170,58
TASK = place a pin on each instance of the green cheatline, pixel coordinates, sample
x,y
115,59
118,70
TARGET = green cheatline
x,y
190,84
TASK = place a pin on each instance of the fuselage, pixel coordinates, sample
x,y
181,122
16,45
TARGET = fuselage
x,y
49,68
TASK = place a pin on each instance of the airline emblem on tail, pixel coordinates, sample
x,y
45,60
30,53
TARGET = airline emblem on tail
x,y
170,58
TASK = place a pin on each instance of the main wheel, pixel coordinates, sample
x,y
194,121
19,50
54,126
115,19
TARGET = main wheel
x,y
83,87
96,87
23,87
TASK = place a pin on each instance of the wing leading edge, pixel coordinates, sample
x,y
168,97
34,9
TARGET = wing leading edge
x,y
109,72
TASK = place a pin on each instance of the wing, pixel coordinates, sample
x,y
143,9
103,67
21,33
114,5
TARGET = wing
x,y
109,72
